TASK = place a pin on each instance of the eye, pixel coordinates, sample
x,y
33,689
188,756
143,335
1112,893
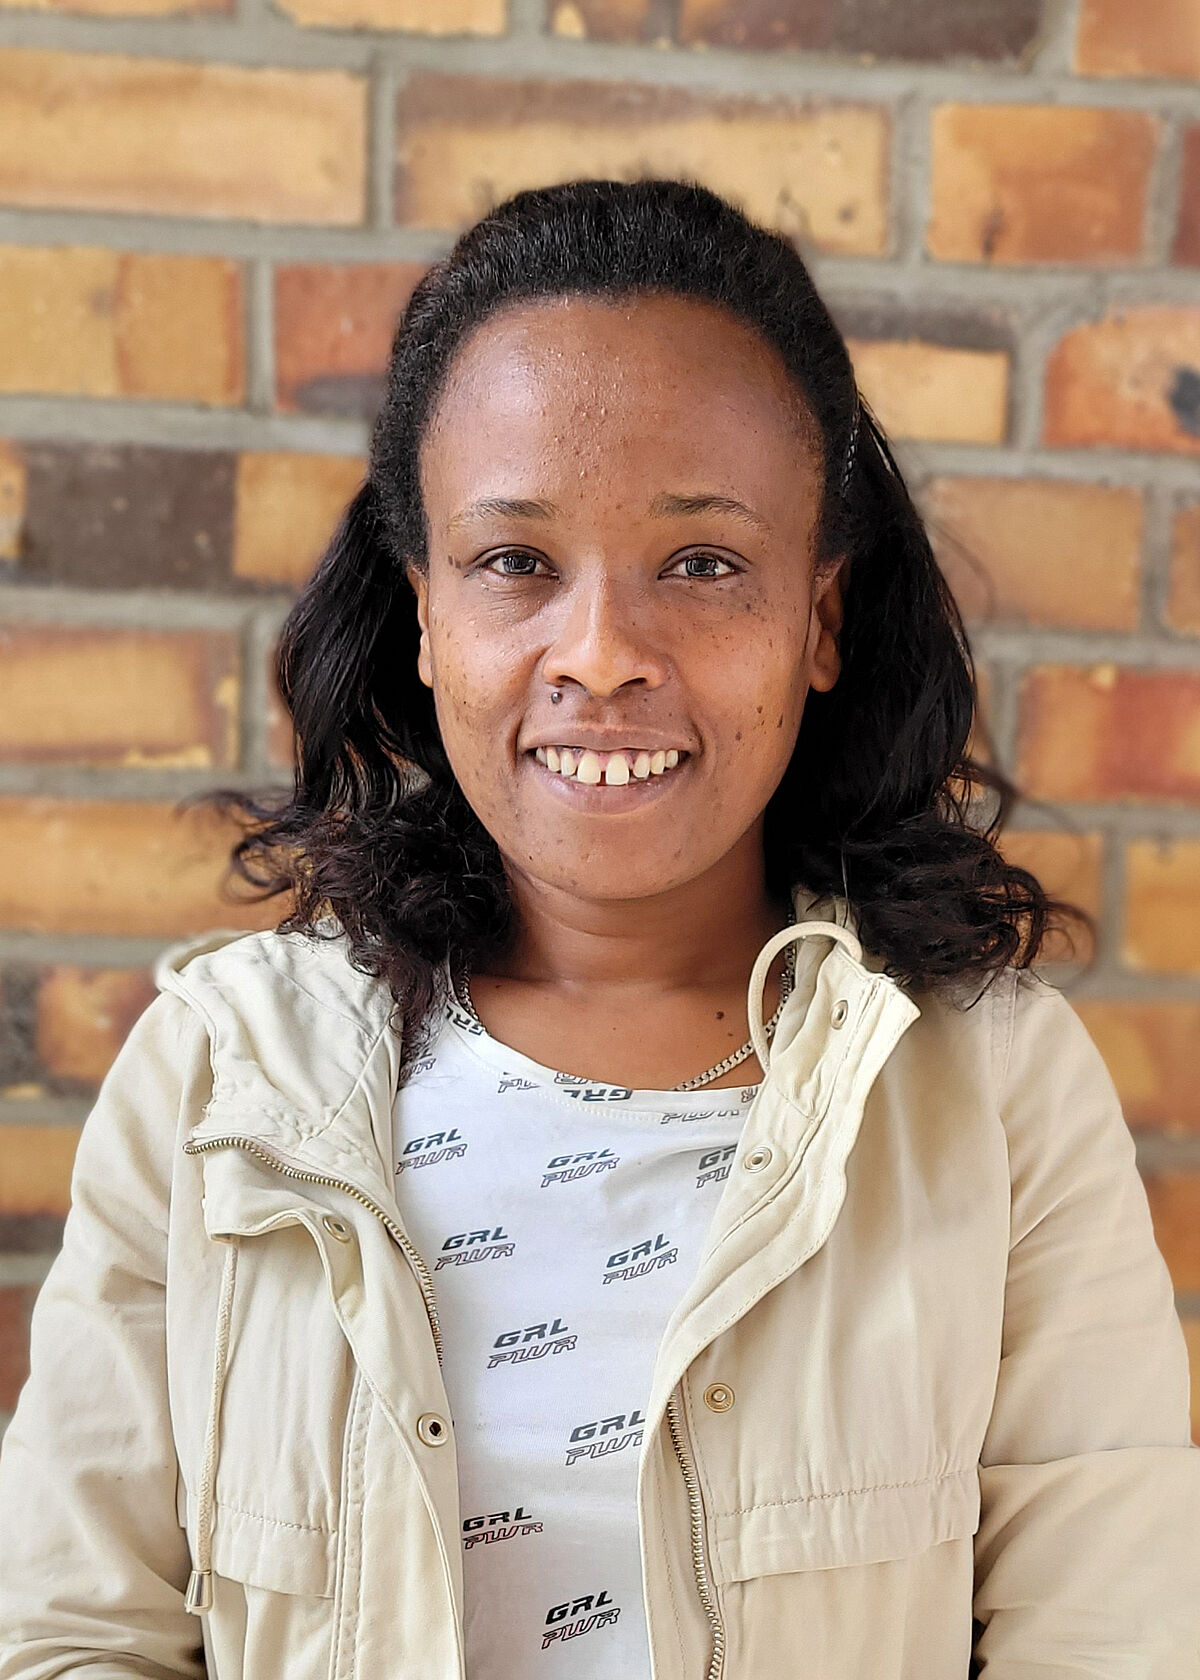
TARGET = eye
x,y
708,559
511,554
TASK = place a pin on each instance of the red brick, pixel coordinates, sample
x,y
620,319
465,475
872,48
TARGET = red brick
x,y
120,697
1104,732
1175,1208
1150,1049
1038,551
1183,606
288,507
1131,381
929,30
1162,906
815,170
333,333
1153,38
1039,183
16,1305
91,132
84,1016
138,869
1187,232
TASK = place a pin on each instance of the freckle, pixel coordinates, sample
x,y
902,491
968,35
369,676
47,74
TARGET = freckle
x,y
720,1014
737,734
758,709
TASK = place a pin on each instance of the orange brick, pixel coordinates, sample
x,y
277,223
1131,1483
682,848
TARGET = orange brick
x,y
934,391
1128,382
1162,906
121,8
1187,232
1039,183
16,1304
287,509
35,1169
1039,551
84,1016
12,501
600,20
1150,1048
333,332
1191,1333
138,869
1153,38
120,697
818,171
425,17
1069,867
83,131
1183,605
1175,1208
1103,732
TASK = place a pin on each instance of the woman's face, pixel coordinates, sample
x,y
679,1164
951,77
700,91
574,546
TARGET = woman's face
x,y
622,504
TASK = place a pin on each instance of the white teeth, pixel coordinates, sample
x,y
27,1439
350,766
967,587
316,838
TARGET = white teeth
x,y
672,758
658,763
616,771
641,766
566,762
551,759
589,770
613,769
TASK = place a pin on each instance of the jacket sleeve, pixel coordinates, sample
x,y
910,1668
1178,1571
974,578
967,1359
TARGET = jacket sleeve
x,y
93,1562
1087,1555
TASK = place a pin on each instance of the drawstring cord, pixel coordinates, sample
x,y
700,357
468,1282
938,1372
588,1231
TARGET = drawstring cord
x,y
758,974
199,1595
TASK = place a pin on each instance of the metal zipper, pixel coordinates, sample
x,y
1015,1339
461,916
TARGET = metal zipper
x,y
423,1278
716,1666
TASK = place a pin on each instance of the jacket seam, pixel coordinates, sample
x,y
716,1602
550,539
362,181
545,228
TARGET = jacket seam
x,y
275,1522
843,1493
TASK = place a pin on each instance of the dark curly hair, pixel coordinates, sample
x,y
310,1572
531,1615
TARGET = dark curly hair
x,y
880,801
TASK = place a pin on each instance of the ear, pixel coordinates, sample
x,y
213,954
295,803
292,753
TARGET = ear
x,y
825,625
420,584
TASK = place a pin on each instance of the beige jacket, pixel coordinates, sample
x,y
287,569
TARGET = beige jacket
x,y
958,1442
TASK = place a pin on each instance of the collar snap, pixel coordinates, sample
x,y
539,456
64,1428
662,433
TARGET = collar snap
x,y
839,1012
433,1429
336,1227
758,1158
718,1397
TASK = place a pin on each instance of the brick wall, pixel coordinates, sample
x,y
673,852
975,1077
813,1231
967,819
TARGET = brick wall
x,y
210,212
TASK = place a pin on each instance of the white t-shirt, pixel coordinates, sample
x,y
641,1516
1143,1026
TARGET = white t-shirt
x,y
560,1221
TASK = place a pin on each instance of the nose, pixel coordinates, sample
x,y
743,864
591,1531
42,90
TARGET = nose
x,y
607,640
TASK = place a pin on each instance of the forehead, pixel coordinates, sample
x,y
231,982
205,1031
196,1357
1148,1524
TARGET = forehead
x,y
628,383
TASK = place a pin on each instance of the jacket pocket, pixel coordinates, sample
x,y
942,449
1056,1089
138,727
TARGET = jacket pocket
x,y
262,1551
851,1526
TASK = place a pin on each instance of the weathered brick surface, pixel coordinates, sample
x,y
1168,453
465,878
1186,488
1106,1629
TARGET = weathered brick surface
x,y
112,867
84,1016
1162,906
603,20
815,170
279,724
333,331
35,1170
122,8
1131,381
937,392
119,697
932,30
1155,38
1191,1333
16,1305
12,500
1070,867
426,17
1187,233
1039,183
287,509
1106,733
1183,607
80,131
1175,1208
1150,1049
1038,551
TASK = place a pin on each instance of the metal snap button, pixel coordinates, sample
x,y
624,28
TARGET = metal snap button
x,y
757,1159
433,1429
839,1013
718,1397
336,1227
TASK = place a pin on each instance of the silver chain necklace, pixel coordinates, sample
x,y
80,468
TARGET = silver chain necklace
x,y
789,976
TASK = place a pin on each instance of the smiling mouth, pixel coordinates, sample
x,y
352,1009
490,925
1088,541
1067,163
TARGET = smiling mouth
x,y
610,769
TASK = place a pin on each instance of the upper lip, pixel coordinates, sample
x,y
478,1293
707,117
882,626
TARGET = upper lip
x,y
588,740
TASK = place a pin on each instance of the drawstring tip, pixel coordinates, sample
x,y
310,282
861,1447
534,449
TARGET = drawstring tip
x,y
198,1597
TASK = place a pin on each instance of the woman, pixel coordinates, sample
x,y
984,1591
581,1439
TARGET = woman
x,y
636,1216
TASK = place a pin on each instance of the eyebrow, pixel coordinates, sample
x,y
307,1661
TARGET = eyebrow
x,y
663,506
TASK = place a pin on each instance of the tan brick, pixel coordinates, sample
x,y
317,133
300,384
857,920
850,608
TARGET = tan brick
x,y
1150,1049
82,131
139,869
1039,183
425,17
1038,551
1191,1334
1069,867
1162,906
600,20
287,509
818,171
1152,38
1183,605
178,329
1175,1208
333,331
934,391
1128,382
121,8
1104,732
35,1169
13,485
84,1016
118,697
